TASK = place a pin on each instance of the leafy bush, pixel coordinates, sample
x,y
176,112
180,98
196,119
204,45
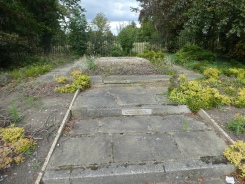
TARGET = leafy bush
x,y
211,73
196,95
15,144
212,91
200,66
193,52
236,154
116,51
126,38
80,81
237,125
152,56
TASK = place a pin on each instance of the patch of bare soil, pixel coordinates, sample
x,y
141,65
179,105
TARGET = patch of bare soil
x,y
43,111
223,115
106,66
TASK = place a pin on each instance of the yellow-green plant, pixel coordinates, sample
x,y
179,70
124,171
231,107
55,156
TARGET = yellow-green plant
x,y
62,79
212,73
11,134
240,101
80,81
14,145
196,95
236,155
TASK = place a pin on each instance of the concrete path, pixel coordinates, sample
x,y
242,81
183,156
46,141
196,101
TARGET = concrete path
x,y
125,130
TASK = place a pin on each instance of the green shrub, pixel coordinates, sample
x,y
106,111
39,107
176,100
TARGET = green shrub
x,y
200,66
211,73
197,95
237,124
152,56
193,52
116,51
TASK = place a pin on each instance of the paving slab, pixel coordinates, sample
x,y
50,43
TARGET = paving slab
x,y
131,133
144,148
198,144
80,151
136,149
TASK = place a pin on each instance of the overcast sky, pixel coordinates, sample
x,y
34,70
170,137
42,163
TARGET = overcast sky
x,y
116,11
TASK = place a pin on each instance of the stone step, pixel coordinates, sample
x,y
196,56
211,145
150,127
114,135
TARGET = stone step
x,y
126,100
130,79
139,149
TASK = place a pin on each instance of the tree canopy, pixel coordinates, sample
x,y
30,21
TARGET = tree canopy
x,y
218,25
26,25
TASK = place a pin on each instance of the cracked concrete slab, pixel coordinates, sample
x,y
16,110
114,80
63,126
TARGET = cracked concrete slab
x,y
132,134
80,151
144,147
200,143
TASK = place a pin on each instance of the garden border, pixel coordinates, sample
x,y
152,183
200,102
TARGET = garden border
x,y
215,126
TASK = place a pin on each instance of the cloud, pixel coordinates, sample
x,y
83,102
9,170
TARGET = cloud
x,y
114,10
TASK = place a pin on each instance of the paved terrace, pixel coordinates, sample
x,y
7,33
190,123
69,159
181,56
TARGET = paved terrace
x,y
125,130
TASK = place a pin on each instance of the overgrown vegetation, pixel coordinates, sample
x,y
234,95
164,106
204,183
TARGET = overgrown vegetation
x,y
39,66
235,154
213,90
222,83
80,81
38,27
216,25
237,124
91,63
157,60
14,144
193,53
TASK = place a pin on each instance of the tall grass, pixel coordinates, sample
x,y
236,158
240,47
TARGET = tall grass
x,y
39,66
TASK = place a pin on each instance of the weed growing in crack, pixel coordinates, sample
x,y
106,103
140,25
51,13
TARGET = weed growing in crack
x,y
14,114
36,164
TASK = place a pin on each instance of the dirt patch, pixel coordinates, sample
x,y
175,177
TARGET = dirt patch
x,y
43,111
223,115
106,66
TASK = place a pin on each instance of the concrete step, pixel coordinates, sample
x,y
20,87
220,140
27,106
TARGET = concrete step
x,y
138,149
126,100
129,79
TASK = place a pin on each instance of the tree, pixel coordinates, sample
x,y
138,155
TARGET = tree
x,y
127,37
102,22
26,25
167,17
102,37
77,35
147,30
218,24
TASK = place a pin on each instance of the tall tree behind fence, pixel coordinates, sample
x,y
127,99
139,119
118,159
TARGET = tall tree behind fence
x,y
101,47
